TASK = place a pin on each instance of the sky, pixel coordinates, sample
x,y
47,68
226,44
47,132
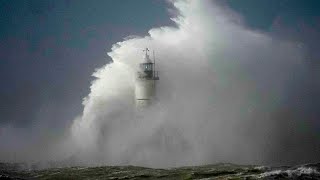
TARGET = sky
x,y
49,49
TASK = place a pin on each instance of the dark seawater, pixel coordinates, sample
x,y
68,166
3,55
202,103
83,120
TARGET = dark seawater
x,y
217,171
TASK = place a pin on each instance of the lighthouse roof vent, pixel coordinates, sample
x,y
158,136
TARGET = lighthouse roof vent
x,y
146,58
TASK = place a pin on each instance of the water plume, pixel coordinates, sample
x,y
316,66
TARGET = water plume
x,y
220,86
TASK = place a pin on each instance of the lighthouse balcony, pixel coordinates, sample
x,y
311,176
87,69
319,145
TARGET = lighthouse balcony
x,y
148,75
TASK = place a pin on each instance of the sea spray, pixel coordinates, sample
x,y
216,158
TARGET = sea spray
x,y
220,85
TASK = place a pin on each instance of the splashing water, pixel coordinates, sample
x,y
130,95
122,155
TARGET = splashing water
x,y
219,85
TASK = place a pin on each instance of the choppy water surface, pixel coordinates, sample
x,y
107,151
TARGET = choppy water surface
x,y
217,171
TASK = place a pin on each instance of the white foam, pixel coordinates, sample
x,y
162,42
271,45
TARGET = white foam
x,y
212,70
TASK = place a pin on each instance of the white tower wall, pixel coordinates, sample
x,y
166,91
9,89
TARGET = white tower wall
x,y
144,92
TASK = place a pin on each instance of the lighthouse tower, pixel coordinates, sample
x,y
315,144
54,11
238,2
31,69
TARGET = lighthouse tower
x,y
146,82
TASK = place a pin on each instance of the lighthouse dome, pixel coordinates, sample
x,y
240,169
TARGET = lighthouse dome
x,y
146,58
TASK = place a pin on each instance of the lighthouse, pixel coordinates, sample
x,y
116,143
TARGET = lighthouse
x,y
145,86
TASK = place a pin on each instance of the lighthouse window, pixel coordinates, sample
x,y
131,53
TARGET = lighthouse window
x,y
146,66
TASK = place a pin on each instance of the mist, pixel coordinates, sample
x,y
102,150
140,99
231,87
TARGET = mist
x,y
222,96
221,87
